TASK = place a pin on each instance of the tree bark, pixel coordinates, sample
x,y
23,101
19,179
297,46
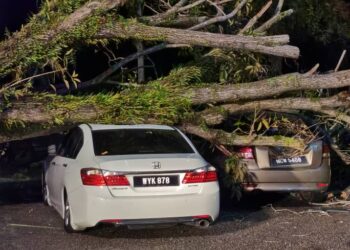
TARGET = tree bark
x,y
30,111
216,115
139,47
224,138
34,112
268,87
8,46
270,45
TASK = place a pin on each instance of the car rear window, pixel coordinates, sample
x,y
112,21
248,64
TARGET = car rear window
x,y
139,141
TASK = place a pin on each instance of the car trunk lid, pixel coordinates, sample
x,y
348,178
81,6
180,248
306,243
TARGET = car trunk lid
x,y
285,158
152,174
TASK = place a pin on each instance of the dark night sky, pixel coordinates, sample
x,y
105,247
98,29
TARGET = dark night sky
x,y
13,13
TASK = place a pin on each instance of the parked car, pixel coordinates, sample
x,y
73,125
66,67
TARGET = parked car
x,y
270,169
129,175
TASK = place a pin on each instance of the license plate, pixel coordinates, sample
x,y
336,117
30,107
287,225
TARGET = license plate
x,y
289,161
156,181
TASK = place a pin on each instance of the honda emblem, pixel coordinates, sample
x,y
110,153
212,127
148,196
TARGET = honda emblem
x,y
156,165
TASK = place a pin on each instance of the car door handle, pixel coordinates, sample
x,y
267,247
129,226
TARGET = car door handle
x,y
53,163
65,165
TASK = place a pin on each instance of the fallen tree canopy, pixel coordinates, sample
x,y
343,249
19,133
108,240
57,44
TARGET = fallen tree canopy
x,y
162,103
224,138
46,47
29,46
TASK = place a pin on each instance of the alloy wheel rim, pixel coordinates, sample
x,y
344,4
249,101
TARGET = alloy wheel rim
x,y
67,214
45,194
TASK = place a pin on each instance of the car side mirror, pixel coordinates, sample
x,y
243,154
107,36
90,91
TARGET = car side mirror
x,y
51,150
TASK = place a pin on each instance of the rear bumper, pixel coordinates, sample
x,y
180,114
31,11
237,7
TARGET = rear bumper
x,y
155,221
312,179
284,187
91,205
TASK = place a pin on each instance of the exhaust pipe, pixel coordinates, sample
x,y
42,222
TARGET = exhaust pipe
x,y
202,223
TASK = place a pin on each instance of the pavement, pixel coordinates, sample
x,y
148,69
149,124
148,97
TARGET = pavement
x,y
271,222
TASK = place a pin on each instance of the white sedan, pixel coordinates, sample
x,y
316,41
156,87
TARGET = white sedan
x,y
129,175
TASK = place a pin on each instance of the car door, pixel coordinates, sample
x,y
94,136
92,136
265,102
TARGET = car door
x,y
51,169
66,157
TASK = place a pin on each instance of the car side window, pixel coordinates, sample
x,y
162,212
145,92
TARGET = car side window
x,y
63,146
72,144
78,143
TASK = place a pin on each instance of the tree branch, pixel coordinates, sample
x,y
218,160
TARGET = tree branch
x,y
156,19
111,70
216,115
8,47
269,87
224,138
220,18
267,25
266,45
190,6
253,20
275,18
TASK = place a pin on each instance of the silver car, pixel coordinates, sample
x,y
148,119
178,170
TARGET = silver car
x,y
268,170
129,175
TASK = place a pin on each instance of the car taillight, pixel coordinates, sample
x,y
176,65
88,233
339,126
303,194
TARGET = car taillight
x,y
92,177
322,185
200,175
326,150
115,179
97,177
246,153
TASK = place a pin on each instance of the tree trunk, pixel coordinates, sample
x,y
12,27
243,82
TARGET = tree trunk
x,y
270,45
139,47
34,112
38,113
268,87
216,115
224,138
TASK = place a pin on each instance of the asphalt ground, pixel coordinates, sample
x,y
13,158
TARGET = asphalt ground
x,y
265,221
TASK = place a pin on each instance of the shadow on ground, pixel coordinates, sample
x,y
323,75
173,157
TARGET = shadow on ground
x,y
17,192
234,216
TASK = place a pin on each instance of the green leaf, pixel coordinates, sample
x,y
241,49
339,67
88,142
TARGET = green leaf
x,y
66,83
259,126
53,87
266,123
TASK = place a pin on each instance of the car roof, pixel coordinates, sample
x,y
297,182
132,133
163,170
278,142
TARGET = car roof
x,y
95,127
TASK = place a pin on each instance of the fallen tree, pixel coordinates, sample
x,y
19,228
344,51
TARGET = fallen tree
x,y
36,111
28,47
46,46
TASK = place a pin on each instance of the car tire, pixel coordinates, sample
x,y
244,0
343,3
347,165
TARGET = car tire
x,y
67,221
45,192
313,196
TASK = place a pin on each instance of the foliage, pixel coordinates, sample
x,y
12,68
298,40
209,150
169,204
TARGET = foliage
x,y
319,19
184,76
235,173
154,103
59,53
238,66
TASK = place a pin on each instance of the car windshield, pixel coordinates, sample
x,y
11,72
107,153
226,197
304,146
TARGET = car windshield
x,y
139,141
